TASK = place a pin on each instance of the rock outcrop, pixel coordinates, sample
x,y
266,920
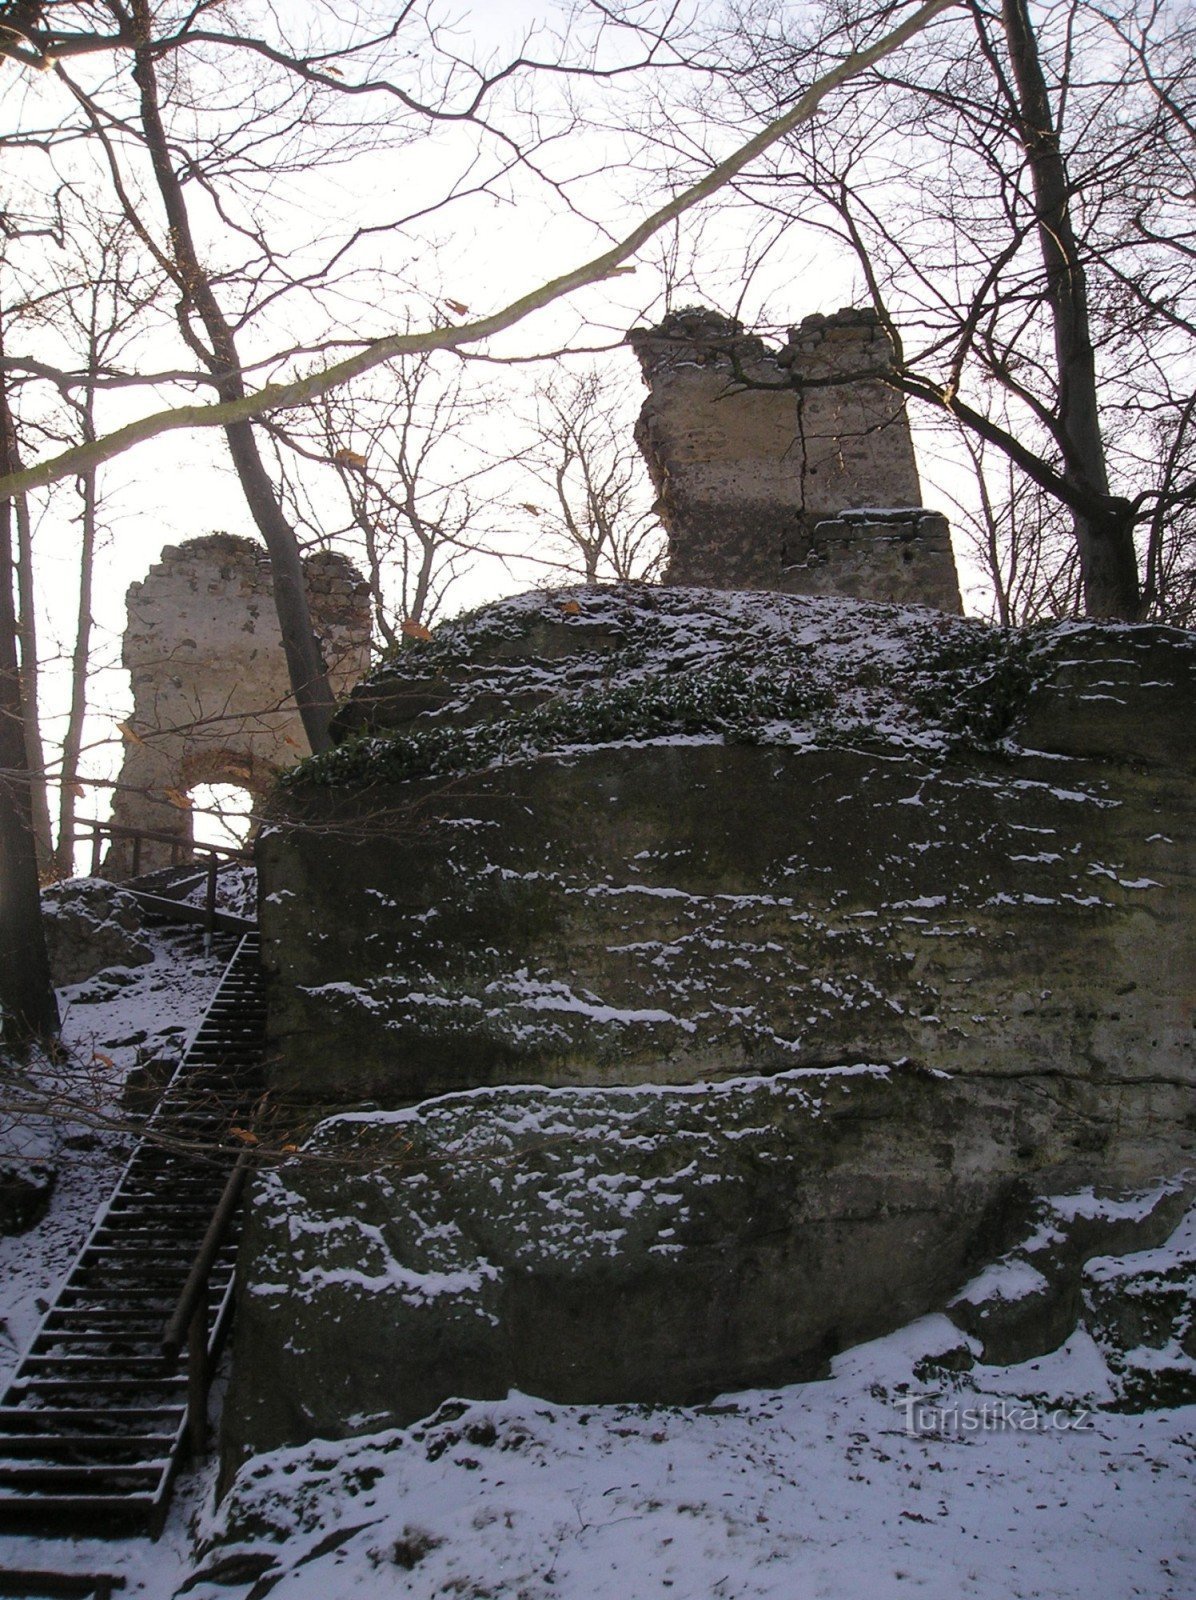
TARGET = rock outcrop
x,y
843,931
659,836
90,926
635,1245
789,469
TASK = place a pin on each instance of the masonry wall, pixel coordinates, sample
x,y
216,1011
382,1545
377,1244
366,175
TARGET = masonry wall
x,y
211,697
754,452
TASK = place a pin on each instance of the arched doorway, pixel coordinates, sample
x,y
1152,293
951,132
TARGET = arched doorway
x,y
223,814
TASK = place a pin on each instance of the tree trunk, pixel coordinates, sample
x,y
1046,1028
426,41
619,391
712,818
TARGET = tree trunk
x,y
72,742
35,755
309,679
27,1000
1104,529
305,666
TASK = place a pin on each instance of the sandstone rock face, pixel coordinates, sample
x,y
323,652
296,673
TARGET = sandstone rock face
x,y
211,698
599,1245
1142,1312
740,833
837,933
1026,1303
90,926
757,453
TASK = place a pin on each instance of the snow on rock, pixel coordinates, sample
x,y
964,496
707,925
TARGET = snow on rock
x,y
91,925
629,834
898,1474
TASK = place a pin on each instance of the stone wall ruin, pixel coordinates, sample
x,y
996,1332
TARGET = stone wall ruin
x,y
788,469
211,697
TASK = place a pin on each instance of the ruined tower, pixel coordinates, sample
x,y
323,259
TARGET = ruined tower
x,y
211,696
788,469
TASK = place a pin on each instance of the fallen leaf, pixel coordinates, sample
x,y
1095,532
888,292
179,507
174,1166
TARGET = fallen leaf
x,y
415,630
98,1055
571,608
244,1135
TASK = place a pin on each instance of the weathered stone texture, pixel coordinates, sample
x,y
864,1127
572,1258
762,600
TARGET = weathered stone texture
x,y
1030,1300
839,931
858,883
211,698
604,1245
756,453
902,556
91,925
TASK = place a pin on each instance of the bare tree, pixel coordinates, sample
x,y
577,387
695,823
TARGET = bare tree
x,y
27,1003
1013,199
598,516
37,45
1021,539
214,145
104,297
419,488
35,756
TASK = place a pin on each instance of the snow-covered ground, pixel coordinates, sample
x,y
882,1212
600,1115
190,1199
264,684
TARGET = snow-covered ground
x,y
995,1485
816,1490
121,1019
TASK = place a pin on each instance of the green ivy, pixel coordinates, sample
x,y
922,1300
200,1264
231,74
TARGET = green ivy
x,y
974,682
722,699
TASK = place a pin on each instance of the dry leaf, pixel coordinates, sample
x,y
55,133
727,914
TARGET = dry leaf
x,y
77,789
289,1149
344,457
334,72
244,1135
98,1055
180,801
415,630
535,511
571,608
457,307
128,735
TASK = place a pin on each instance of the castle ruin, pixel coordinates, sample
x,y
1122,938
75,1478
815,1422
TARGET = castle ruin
x,y
211,698
788,469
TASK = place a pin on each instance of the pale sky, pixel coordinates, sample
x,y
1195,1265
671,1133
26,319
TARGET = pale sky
x,y
481,253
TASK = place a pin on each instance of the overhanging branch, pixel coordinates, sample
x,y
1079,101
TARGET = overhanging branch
x,y
297,391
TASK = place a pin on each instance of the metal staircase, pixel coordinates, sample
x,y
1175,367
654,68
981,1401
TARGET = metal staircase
x,y
106,1404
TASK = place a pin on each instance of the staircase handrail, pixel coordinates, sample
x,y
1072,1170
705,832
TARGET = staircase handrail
x,y
188,1323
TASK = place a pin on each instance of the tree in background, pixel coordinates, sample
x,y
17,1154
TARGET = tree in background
x,y
597,518
421,493
1020,537
1016,198
220,149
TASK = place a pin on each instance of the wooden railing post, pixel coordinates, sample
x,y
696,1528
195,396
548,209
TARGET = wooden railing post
x,y
209,908
197,1374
